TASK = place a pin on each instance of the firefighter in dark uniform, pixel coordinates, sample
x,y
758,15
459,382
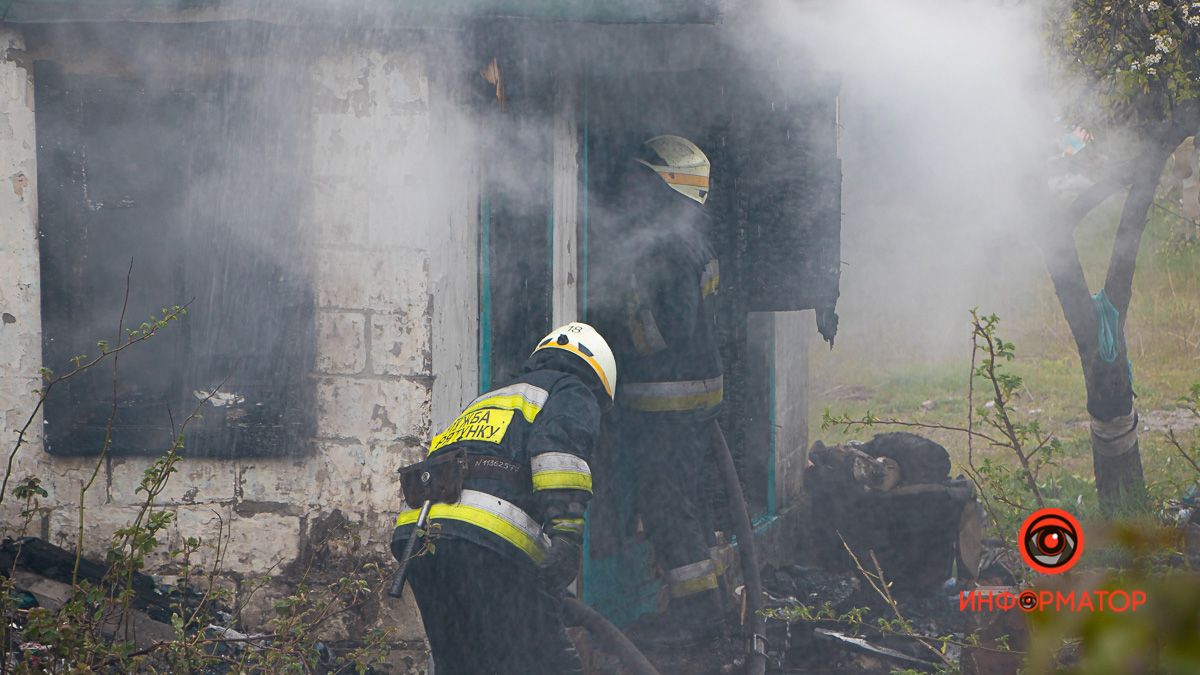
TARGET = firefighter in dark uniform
x,y
672,385
490,574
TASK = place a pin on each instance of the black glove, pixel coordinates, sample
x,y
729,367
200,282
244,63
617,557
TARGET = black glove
x,y
561,565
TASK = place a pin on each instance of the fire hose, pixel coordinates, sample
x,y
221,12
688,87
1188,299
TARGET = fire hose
x,y
756,651
609,635
756,656
616,641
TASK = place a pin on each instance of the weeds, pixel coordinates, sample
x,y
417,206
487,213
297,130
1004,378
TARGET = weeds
x,y
1191,403
95,626
1014,463
1008,472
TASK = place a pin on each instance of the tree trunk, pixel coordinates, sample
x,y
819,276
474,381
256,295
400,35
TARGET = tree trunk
x,y
1109,393
1116,458
1117,461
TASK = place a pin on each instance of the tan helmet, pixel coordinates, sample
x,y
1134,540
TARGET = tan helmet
x,y
583,341
684,166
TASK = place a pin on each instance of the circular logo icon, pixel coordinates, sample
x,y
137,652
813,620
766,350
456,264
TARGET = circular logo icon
x,y
1027,600
1050,541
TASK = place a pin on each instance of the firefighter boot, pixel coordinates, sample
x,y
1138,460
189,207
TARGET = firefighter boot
x,y
690,620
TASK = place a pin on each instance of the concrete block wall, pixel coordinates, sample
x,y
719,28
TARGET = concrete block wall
x,y
377,243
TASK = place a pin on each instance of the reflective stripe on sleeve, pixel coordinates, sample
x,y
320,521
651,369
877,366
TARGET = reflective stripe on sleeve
x,y
710,279
523,396
502,518
647,338
568,525
560,471
674,396
722,557
691,579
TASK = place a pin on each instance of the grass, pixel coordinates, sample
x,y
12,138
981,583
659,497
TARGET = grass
x,y
894,379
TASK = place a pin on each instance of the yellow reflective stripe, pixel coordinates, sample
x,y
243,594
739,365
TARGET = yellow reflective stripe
x,y
532,393
646,336
693,586
572,525
528,410
673,396
562,480
558,461
523,396
675,404
694,578
690,571
560,471
710,278
490,513
722,557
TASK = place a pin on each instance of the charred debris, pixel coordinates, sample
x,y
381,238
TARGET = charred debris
x,y
47,576
889,540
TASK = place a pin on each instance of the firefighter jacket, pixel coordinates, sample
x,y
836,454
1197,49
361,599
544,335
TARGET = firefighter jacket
x,y
529,444
671,362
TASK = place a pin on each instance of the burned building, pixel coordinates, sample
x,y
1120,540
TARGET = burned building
x,y
369,211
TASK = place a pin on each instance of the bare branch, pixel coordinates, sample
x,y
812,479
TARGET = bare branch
x,y
882,587
1180,449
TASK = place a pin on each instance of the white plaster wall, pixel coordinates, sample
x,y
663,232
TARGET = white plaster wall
x,y
454,240
20,308
382,250
793,331
566,209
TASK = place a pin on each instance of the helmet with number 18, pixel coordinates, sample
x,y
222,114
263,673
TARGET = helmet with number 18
x,y
583,341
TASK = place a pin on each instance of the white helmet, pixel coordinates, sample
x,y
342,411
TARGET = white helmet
x,y
684,166
583,341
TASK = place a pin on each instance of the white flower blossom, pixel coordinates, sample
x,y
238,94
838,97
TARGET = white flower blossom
x,y
1152,6
1193,20
1151,71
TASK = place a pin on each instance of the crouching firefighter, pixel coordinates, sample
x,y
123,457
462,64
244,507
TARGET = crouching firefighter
x,y
672,388
494,533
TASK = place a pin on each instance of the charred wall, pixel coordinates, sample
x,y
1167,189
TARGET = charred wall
x,y
325,168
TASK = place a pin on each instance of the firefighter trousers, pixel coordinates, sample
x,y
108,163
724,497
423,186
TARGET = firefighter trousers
x,y
670,453
487,614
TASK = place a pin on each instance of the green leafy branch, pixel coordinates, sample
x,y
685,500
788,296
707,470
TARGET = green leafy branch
x,y
1005,490
82,363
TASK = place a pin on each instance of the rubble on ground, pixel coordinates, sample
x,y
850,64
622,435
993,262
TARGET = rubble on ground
x,y
889,508
44,576
893,503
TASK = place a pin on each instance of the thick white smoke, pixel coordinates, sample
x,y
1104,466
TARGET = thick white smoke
x,y
945,114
